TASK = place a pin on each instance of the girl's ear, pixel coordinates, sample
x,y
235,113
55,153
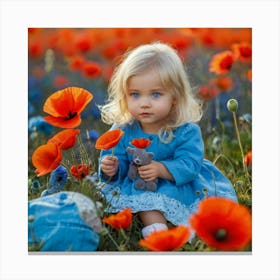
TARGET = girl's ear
x,y
174,102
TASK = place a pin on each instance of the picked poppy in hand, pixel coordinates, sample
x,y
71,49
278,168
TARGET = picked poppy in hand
x,y
166,240
222,224
121,220
109,139
65,107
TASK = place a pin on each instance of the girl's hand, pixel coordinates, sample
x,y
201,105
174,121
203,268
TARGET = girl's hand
x,y
109,165
153,171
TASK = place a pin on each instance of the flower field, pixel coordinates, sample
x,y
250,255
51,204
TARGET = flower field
x,y
68,74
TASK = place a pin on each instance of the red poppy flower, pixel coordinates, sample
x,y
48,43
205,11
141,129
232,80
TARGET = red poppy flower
x,y
223,224
249,75
65,106
208,92
46,158
221,62
242,52
248,158
91,69
181,41
120,220
109,139
32,30
166,240
79,171
141,143
36,49
60,81
76,63
223,83
65,139
114,49
83,43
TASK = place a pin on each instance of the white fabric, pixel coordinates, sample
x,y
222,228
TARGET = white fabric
x,y
152,228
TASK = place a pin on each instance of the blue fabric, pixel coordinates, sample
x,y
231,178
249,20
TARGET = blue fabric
x,y
64,221
194,176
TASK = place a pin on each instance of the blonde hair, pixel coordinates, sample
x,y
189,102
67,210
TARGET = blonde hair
x,y
165,60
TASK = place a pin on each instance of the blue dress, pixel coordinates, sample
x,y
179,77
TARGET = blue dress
x,y
194,176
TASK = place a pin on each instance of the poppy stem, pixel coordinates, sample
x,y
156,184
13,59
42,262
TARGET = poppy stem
x,y
63,163
113,240
113,152
227,159
123,234
240,145
83,151
73,157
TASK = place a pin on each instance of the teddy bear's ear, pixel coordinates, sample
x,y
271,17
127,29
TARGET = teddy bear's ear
x,y
130,150
150,155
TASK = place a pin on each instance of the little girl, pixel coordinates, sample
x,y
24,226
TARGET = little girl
x,y
150,97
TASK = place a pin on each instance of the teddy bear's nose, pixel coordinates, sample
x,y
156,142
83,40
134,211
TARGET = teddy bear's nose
x,y
137,161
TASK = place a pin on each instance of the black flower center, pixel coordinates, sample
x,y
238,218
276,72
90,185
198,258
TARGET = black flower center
x,y
221,234
71,115
59,178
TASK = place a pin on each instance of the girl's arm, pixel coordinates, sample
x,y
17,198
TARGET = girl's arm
x,y
188,156
120,160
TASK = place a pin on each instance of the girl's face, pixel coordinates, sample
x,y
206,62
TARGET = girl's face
x,y
148,102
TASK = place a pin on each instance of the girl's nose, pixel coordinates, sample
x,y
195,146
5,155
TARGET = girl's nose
x,y
145,103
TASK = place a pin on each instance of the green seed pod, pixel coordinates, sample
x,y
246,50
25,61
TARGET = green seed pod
x,y
232,105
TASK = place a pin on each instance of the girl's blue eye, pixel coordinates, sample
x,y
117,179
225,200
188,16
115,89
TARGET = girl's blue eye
x,y
134,94
156,94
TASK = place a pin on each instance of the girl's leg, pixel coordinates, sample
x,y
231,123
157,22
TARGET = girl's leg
x,y
153,221
151,217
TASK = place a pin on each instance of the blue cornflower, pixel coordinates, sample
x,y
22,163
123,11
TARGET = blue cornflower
x,y
31,109
38,124
57,181
246,118
92,135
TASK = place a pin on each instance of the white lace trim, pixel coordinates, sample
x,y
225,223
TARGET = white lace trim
x,y
173,210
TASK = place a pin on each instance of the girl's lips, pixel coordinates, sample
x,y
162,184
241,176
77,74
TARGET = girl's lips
x,y
145,114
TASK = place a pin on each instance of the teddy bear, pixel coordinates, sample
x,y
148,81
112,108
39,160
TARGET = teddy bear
x,y
140,157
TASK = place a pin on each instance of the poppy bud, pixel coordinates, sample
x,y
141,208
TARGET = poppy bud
x,y
35,187
232,105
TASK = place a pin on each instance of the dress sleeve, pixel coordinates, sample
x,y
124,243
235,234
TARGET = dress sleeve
x,y
121,154
188,155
